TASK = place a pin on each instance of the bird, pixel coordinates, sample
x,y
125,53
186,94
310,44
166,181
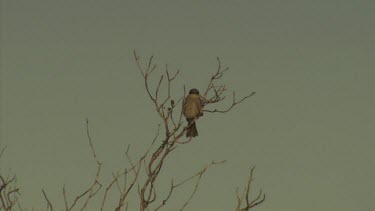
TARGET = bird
x,y
192,109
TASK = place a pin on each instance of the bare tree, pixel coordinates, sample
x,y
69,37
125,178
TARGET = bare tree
x,y
174,126
143,173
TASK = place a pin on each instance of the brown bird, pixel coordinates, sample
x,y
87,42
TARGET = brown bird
x,y
192,109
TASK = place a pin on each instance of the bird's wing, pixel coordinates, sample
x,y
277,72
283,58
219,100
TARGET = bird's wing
x,y
201,107
184,106
198,103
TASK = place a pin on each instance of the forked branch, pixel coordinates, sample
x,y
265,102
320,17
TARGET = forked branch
x,y
8,189
215,91
244,201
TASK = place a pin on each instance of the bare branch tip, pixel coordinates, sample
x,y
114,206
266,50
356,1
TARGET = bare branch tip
x,y
127,149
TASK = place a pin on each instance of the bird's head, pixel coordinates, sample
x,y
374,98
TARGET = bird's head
x,y
194,91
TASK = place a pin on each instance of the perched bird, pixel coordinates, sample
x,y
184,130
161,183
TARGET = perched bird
x,y
192,109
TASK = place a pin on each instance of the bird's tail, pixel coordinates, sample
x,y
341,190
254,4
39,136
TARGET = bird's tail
x,y
192,130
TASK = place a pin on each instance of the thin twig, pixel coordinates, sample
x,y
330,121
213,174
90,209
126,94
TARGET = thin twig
x,y
49,205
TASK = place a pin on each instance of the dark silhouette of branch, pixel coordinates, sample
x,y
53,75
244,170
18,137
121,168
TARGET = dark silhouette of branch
x,y
91,191
49,205
247,204
8,190
199,175
215,91
2,151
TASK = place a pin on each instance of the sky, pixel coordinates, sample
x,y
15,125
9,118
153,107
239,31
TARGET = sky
x,y
309,130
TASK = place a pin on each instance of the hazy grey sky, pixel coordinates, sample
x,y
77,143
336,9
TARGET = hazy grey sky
x,y
309,129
